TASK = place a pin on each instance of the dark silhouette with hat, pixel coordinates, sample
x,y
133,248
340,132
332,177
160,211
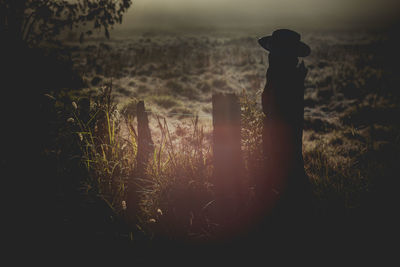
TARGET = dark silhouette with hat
x,y
284,190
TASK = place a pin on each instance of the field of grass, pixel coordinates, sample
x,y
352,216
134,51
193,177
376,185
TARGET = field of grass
x,y
351,140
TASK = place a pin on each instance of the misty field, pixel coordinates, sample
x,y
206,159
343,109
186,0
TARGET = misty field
x,y
351,128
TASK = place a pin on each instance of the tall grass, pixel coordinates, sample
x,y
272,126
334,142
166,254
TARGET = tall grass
x,y
251,132
175,188
175,194
180,182
108,156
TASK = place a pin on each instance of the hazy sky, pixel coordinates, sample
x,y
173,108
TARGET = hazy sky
x,y
236,13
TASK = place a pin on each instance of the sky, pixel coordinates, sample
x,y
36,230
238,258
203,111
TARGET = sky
x,y
247,13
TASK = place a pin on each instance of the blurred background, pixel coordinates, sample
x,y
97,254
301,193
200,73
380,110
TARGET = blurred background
x,y
271,14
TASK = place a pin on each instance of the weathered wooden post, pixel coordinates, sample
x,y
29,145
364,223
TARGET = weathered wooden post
x,y
145,142
228,162
145,147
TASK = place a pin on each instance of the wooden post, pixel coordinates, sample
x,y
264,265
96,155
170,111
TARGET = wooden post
x,y
145,146
145,143
228,160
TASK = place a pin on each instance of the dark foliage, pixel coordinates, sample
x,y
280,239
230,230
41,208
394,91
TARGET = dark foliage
x,y
34,21
34,66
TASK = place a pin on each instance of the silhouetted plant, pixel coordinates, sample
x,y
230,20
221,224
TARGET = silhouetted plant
x,y
34,21
107,155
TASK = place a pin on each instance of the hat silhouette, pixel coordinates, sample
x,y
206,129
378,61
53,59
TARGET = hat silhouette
x,y
285,41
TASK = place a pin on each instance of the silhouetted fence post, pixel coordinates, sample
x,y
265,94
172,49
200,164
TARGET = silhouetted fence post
x,y
145,147
228,160
145,143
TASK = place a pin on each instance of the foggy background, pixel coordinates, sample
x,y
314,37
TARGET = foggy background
x,y
240,14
